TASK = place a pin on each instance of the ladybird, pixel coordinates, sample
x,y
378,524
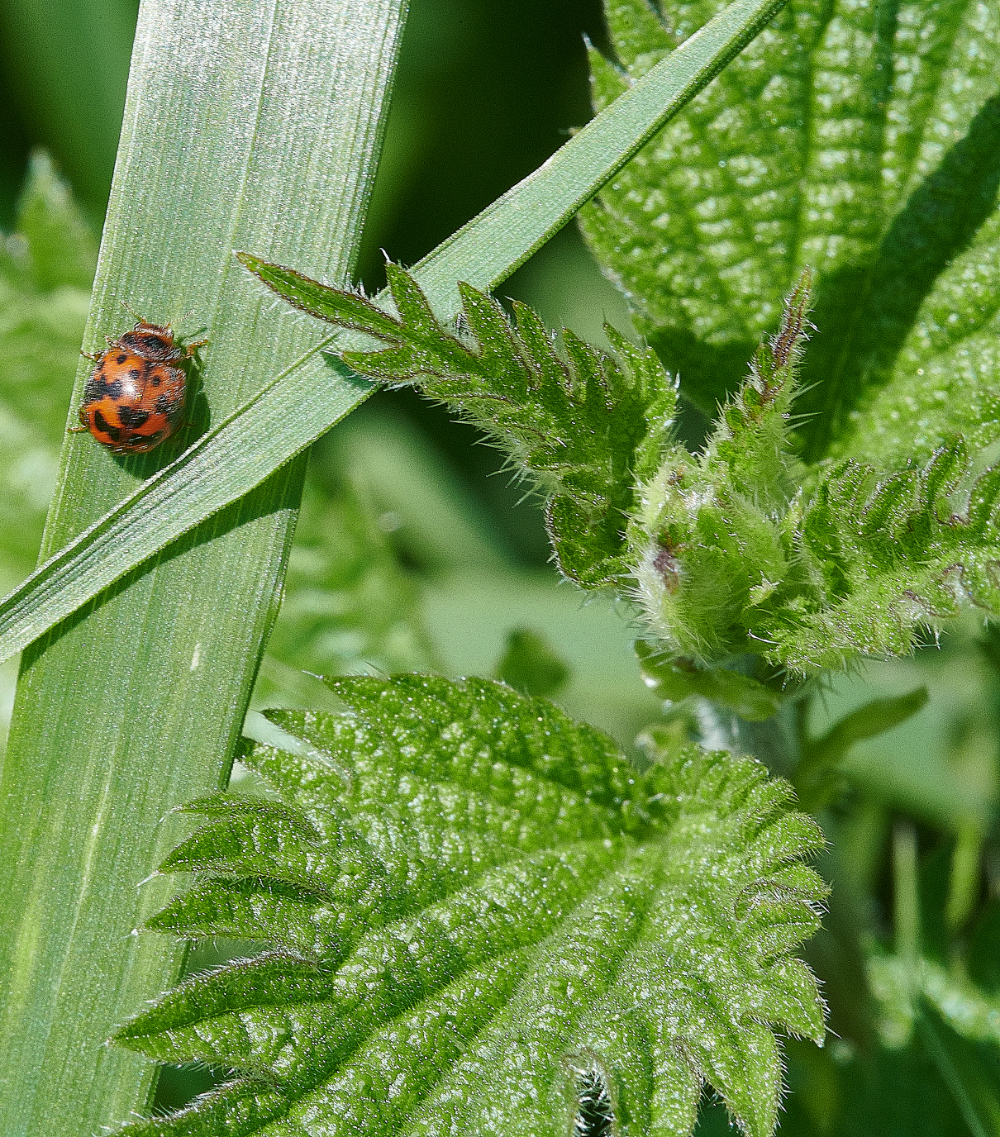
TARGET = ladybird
x,y
134,397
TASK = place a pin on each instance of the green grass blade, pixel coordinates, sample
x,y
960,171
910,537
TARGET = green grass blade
x,y
252,124
302,402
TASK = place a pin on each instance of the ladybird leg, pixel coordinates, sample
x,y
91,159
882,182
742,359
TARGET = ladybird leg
x,y
191,348
90,355
83,428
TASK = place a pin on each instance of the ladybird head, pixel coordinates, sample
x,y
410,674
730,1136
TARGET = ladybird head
x,y
150,342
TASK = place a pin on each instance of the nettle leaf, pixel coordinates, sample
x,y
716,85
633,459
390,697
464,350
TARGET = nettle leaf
x,y
584,422
679,679
480,917
859,564
859,139
887,556
815,776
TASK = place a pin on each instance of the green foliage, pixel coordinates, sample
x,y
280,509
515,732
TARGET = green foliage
x,y
65,66
678,679
858,139
710,543
855,562
348,605
530,664
816,771
899,986
417,880
938,1084
479,916
739,550
46,267
585,424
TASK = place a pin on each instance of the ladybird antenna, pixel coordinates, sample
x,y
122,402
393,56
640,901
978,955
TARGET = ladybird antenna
x,y
128,308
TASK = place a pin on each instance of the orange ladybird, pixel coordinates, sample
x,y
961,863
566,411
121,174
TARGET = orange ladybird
x,y
134,398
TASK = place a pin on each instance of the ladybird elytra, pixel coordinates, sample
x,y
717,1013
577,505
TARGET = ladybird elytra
x,y
134,398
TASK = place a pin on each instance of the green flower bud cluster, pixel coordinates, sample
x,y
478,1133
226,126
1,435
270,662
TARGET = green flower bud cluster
x,y
714,554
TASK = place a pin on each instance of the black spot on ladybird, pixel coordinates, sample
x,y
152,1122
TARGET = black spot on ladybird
x,y
131,417
105,427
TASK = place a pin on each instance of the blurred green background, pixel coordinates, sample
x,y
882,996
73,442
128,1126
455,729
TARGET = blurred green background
x,y
417,550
